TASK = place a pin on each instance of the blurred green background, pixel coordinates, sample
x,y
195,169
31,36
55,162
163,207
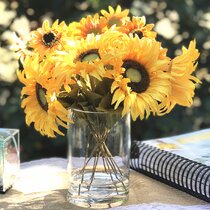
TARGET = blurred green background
x,y
177,22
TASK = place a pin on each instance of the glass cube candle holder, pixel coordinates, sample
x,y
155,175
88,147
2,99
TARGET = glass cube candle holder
x,y
9,157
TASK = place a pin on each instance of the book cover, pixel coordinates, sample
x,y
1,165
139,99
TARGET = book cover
x,y
182,161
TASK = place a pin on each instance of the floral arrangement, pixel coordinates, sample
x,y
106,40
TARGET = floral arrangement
x,y
105,62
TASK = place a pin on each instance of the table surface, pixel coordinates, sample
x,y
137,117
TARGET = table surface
x,y
143,189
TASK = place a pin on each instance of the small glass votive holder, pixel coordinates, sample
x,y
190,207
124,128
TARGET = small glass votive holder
x,y
9,157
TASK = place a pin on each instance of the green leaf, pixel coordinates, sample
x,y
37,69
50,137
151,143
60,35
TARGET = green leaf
x,y
93,98
106,102
104,86
67,99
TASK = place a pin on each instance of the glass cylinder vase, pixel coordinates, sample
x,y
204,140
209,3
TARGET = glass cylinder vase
x,y
98,154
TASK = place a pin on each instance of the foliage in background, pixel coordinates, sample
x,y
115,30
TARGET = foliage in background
x,y
177,22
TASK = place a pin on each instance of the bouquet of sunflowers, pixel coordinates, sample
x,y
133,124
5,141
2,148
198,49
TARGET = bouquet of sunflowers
x,y
105,62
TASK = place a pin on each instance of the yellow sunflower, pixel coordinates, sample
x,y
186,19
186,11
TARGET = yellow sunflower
x,y
64,71
73,32
137,26
48,39
145,81
115,17
90,24
112,41
39,100
84,60
183,82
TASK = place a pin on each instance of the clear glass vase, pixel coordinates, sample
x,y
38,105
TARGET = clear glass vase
x,y
99,153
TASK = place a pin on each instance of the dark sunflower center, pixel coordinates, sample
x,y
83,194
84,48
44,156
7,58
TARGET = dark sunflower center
x,y
109,67
114,21
138,76
49,39
41,96
89,55
94,30
138,33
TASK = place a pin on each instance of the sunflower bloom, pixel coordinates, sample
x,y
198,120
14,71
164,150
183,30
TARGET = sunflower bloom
x,y
39,101
183,82
85,60
48,39
145,81
137,26
90,25
106,61
115,17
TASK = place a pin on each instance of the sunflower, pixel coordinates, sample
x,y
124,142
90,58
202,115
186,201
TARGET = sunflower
x,y
84,60
39,99
145,79
183,82
112,41
90,24
48,39
64,71
88,58
137,26
115,17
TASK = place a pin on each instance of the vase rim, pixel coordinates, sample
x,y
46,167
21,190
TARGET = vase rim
x,y
95,112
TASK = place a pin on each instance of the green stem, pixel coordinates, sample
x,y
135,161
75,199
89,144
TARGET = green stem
x,y
101,150
94,168
110,173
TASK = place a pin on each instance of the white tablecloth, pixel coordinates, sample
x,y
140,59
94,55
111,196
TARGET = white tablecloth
x,y
43,181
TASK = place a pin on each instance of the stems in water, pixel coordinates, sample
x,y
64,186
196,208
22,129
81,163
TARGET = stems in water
x,y
101,150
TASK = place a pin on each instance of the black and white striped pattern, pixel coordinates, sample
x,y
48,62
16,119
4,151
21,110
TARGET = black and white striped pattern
x,y
174,170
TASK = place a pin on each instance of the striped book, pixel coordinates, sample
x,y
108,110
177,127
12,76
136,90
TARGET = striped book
x,y
181,161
